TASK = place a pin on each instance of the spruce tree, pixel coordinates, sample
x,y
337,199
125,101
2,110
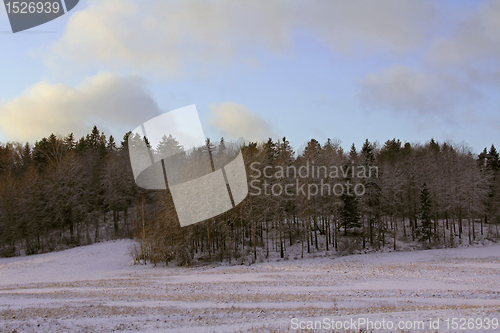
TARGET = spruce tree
x,y
349,215
425,229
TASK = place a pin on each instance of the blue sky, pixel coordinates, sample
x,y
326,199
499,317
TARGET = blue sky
x,y
411,70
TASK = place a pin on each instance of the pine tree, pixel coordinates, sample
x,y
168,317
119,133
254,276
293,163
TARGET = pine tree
x,y
493,201
111,145
370,201
349,215
27,159
169,146
69,141
425,229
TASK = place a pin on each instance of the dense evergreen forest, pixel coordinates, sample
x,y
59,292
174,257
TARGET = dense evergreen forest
x,y
64,192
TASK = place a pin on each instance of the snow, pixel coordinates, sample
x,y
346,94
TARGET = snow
x,y
81,263
97,288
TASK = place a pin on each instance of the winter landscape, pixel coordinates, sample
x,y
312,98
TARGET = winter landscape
x,y
249,166
97,288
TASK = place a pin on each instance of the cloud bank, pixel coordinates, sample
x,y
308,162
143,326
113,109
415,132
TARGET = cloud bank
x,y
161,37
453,71
105,100
475,39
408,90
235,121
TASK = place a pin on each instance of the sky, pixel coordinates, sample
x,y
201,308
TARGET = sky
x,y
346,70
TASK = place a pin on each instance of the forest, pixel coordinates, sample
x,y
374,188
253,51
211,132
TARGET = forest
x,y
64,192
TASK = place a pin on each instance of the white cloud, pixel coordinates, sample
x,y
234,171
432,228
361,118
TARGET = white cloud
x,y
349,26
236,121
161,37
112,103
456,70
403,89
476,38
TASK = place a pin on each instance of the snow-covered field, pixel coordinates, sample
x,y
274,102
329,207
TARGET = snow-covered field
x,y
97,289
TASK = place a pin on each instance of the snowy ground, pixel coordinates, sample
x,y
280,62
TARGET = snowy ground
x,y
97,289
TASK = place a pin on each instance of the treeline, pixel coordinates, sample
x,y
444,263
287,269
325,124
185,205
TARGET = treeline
x,y
62,192
325,199
65,192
